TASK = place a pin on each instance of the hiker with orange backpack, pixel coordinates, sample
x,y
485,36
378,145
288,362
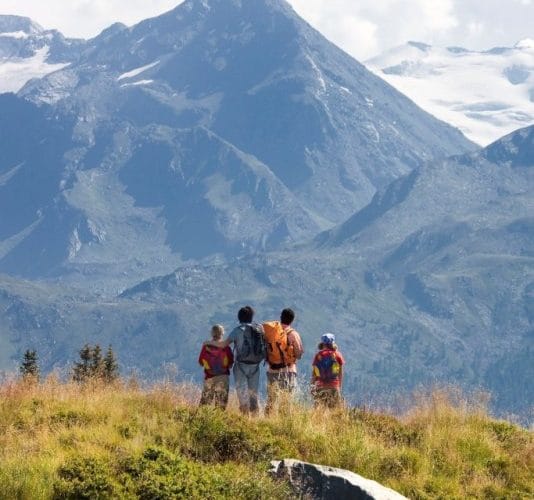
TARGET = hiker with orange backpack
x,y
284,349
327,373
216,358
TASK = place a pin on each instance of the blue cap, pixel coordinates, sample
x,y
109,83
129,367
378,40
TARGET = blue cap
x,y
328,338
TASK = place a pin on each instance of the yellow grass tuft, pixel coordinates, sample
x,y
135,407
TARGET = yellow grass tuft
x,y
62,440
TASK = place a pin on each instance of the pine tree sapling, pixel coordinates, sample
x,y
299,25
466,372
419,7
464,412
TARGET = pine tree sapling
x,y
111,367
97,363
29,368
92,366
82,369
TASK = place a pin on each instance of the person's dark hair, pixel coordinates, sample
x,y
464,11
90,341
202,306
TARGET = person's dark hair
x,y
287,316
245,314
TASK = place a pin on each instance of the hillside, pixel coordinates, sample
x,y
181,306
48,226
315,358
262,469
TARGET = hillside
x,y
226,153
214,117
430,283
64,441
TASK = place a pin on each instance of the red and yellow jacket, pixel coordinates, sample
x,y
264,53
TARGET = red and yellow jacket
x,y
327,368
216,360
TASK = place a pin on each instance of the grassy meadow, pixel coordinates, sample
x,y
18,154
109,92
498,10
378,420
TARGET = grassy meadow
x,y
62,440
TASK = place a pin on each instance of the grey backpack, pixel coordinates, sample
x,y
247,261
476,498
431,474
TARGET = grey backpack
x,y
252,350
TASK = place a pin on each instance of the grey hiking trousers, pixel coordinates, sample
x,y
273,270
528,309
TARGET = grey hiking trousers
x,y
247,383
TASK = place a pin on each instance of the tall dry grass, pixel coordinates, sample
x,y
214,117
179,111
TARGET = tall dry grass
x,y
60,439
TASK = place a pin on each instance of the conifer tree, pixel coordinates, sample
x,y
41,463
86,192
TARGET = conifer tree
x,y
29,368
97,363
111,367
82,369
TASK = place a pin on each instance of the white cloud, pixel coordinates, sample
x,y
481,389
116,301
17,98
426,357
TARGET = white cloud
x,y
475,29
367,26
85,18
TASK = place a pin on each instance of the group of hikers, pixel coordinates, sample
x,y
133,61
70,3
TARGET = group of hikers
x,y
276,344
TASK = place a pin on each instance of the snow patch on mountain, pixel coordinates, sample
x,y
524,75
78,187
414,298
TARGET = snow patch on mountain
x,y
137,71
15,73
15,34
485,94
139,82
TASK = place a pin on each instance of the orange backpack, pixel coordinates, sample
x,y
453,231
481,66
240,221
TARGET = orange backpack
x,y
280,353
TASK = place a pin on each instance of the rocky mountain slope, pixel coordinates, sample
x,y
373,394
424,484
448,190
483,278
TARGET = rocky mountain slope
x,y
442,297
485,94
233,118
231,151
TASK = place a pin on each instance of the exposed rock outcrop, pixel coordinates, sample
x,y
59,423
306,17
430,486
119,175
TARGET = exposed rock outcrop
x,y
320,482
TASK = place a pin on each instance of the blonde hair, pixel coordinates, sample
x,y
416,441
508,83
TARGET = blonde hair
x,y
217,332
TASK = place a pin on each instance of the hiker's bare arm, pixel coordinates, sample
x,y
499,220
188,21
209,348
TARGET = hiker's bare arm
x,y
298,348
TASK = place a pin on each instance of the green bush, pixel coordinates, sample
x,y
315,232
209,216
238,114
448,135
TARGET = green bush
x,y
161,474
158,473
217,436
85,478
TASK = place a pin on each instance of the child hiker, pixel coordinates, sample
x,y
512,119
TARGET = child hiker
x,y
216,358
327,374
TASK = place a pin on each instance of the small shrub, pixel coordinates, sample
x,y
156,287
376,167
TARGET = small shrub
x,y
220,437
499,468
396,464
85,478
161,474
127,431
388,428
70,418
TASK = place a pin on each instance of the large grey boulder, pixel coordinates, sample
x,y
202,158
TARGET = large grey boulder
x,y
320,482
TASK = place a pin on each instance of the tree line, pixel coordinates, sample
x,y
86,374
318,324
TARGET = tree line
x,y
93,364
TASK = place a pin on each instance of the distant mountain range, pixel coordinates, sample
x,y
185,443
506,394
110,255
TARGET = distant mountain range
x,y
432,282
485,94
217,129
226,153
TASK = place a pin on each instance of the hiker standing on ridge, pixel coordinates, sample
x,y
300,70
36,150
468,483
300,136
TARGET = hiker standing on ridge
x,y
217,359
249,352
327,373
284,349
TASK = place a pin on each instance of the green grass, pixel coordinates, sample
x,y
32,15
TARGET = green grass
x,y
65,441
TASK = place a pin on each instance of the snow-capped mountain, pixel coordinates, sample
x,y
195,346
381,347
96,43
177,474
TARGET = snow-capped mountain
x,y
485,94
218,128
28,51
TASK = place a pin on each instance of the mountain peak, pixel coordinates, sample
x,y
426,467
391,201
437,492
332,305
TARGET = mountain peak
x,y
15,24
252,10
516,148
420,45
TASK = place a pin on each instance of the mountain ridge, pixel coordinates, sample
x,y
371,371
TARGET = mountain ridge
x,y
325,127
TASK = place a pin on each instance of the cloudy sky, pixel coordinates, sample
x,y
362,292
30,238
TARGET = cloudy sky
x,y
364,28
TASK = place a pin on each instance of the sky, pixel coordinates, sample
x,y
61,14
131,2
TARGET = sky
x,y
364,28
